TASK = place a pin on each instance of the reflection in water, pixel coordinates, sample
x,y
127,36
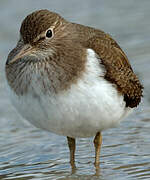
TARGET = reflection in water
x,y
30,153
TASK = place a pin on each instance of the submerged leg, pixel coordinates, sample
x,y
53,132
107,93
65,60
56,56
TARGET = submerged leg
x,y
72,147
97,144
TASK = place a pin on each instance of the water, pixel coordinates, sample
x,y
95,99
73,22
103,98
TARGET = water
x,y
30,153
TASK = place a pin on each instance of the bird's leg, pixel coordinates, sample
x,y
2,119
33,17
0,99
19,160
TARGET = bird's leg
x,y
72,147
97,144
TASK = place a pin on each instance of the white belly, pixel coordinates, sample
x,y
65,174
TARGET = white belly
x,y
89,106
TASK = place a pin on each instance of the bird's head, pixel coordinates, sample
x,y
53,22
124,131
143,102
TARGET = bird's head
x,y
41,34
47,49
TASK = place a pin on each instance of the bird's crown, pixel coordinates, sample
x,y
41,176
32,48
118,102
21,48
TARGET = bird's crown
x,y
37,22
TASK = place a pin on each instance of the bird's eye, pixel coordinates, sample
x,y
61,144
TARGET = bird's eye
x,y
49,33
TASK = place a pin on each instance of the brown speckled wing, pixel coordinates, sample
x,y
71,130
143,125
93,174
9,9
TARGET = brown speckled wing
x,y
118,69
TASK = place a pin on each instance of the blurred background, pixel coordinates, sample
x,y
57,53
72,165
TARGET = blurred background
x,y
29,153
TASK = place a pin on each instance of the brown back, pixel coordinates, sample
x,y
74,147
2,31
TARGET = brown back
x,y
118,68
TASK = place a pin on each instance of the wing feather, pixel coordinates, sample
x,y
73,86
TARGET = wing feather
x,y
118,69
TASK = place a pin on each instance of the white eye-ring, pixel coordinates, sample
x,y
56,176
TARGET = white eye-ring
x,y
49,33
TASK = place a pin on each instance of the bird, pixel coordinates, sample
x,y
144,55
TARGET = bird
x,y
70,79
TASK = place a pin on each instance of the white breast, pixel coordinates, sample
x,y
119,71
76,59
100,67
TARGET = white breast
x,y
91,105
